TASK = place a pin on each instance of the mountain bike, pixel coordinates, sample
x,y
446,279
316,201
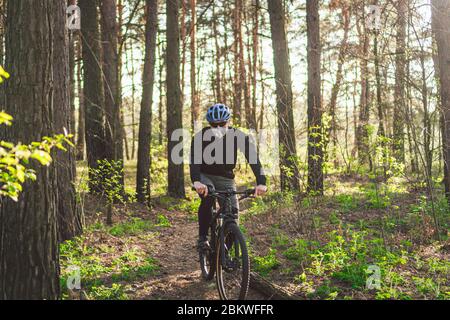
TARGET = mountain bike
x,y
228,254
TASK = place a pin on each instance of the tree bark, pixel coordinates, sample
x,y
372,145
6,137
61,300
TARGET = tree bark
x,y
161,58
145,122
113,128
193,46
29,255
70,220
92,89
362,132
174,101
255,50
249,121
237,84
441,25
81,126
289,176
217,79
399,93
315,135
332,132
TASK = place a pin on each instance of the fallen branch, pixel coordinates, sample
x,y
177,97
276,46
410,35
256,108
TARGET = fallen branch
x,y
269,289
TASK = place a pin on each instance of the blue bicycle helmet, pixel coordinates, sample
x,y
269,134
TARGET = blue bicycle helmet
x,y
218,113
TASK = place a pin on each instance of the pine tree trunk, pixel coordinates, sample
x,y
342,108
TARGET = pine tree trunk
x,y
70,220
217,78
441,25
362,133
145,122
92,89
81,126
332,132
237,85
29,255
161,58
242,70
183,45
315,135
255,51
193,46
399,93
114,138
427,131
288,168
174,101
381,129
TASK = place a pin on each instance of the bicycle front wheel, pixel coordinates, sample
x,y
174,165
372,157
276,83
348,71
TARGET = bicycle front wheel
x,y
232,267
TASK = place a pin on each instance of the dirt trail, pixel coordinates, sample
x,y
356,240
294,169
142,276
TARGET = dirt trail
x,y
179,276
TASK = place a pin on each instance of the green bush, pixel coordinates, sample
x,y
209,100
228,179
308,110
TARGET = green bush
x,y
263,265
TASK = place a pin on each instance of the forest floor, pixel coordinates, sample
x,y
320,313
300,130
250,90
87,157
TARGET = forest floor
x,y
146,254
314,247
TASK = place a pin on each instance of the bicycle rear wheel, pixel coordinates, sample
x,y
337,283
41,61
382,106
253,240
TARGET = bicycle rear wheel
x,y
208,260
233,274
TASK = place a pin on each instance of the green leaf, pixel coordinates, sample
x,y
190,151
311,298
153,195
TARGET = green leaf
x,y
5,118
43,157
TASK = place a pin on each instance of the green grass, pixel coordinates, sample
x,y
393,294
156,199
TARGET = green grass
x,y
265,264
353,274
132,227
114,292
347,202
101,270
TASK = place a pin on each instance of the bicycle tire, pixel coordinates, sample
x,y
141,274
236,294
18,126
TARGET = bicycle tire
x,y
232,228
208,271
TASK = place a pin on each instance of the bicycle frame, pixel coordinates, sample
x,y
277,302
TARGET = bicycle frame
x,y
222,217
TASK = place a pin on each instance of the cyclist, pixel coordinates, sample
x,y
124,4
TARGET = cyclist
x,y
213,159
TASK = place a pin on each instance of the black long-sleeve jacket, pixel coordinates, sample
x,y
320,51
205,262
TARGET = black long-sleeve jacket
x,y
215,155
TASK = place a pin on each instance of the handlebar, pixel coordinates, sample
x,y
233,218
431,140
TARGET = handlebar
x,y
227,193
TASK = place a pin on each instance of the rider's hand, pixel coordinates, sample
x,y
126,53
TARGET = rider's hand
x,y
260,190
201,188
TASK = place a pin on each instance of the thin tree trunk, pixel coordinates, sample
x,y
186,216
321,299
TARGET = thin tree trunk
x,y
194,100
93,89
81,127
381,129
174,101
237,94
250,123
69,218
428,150
111,79
289,175
218,82
255,50
145,122
399,94
133,103
315,136
183,45
441,25
121,48
362,134
161,58
337,85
